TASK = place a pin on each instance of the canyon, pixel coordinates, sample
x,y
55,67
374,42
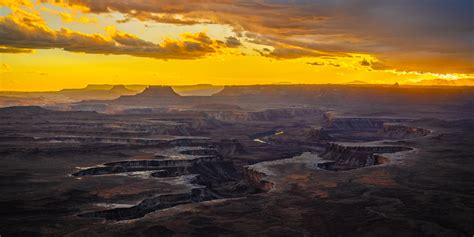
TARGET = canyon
x,y
276,160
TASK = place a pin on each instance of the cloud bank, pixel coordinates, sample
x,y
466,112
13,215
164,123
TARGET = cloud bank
x,y
423,35
22,31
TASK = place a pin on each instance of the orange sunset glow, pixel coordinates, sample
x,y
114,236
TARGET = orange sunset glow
x,y
51,45
236,118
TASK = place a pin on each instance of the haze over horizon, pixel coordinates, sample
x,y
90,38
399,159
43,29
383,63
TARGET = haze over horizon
x,y
192,87
48,45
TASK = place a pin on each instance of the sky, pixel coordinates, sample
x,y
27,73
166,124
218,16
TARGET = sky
x,y
55,44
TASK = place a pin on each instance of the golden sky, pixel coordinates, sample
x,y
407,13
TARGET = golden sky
x,y
54,44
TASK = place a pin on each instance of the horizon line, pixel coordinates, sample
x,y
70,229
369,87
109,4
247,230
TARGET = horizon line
x,y
231,85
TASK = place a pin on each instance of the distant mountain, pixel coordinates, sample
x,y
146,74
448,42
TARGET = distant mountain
x,y
260,96
103,87
357,82
120,89
158,91
95,92
137,88
152,95
443,82
198,90
110,87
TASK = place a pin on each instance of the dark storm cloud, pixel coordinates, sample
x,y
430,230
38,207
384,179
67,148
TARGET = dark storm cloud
x,y
233,42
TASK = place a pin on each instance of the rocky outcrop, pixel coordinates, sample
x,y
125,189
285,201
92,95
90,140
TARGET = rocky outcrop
x,y
200,152
95,92
359,124
227,148
111,140
158,91
402,131
353,157
295,95
151,96
198,90
257,179
151,204
265,115
143,165
211,178
365,129
319,134
96,107
188,142
215,174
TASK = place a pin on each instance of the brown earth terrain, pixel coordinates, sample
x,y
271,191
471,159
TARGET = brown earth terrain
x,y
244,161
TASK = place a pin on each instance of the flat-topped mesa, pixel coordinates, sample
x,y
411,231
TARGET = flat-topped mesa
x,y
121,89
345,123
95,93
228,148
238,91
152,96
353,157
99,87
318,135
198,90
158,91
257,179
339,95
91,87
401,131
146,165
274,91
257,94
151,204
368,128
263,115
